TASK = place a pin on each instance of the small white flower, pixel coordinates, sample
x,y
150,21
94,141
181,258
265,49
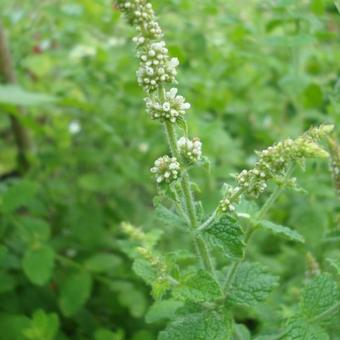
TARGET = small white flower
x,y
165,169
190,150
74,127
166,106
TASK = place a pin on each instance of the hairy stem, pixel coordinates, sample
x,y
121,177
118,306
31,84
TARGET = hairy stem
x,y
263,211
20,133
205,225
199,243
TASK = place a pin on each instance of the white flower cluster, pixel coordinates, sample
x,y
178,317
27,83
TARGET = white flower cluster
x,y
171,108
155,66
191,150
141,14
166,169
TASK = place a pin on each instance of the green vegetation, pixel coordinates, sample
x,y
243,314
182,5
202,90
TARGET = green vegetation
x,y
210,210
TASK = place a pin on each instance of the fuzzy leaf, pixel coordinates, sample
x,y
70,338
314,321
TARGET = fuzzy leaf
x,y
161,310
282,231
33,229
300,329
199,326
167,217
43,326
74,292
241,332
319,295
17,195
335,263
144,270
38,264
246,209
103,262
251,284
227,235
198,287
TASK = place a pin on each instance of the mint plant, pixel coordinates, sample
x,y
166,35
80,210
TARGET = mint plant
x,y
198,290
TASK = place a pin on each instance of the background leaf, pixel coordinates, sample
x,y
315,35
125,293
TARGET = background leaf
x,y
74,293
38,264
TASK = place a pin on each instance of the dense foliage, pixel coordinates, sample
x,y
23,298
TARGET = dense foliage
x,y
95,246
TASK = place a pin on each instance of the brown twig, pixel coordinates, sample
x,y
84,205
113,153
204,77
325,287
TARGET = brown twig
x,y
21,136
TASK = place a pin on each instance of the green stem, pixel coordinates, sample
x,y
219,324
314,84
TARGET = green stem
x,y
235,265
208,222
263,211
199,243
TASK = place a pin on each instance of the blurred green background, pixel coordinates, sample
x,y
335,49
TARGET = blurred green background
x,y
254,71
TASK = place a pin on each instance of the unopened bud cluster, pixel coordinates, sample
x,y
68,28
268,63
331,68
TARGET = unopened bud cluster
x,y
171,108
134,233
166,169
156,66
141,14
313,267
232,197
191,150
156,70
273,164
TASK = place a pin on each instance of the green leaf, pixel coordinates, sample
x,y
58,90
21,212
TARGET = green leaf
x,y
300,329
162,310
13,325
246,209
319,295
227,235
17,195
7,282
160,287
335,263
241,332
38,264
130,297
251,284
168,217
282,231
198,287
103,262
106,334
33,229
313,96
15,95
144,270
337,5
74,292
318,7
43,326
198,326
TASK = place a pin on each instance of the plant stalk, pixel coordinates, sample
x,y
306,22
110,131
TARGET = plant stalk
x,y
21,135
199,243
263,211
